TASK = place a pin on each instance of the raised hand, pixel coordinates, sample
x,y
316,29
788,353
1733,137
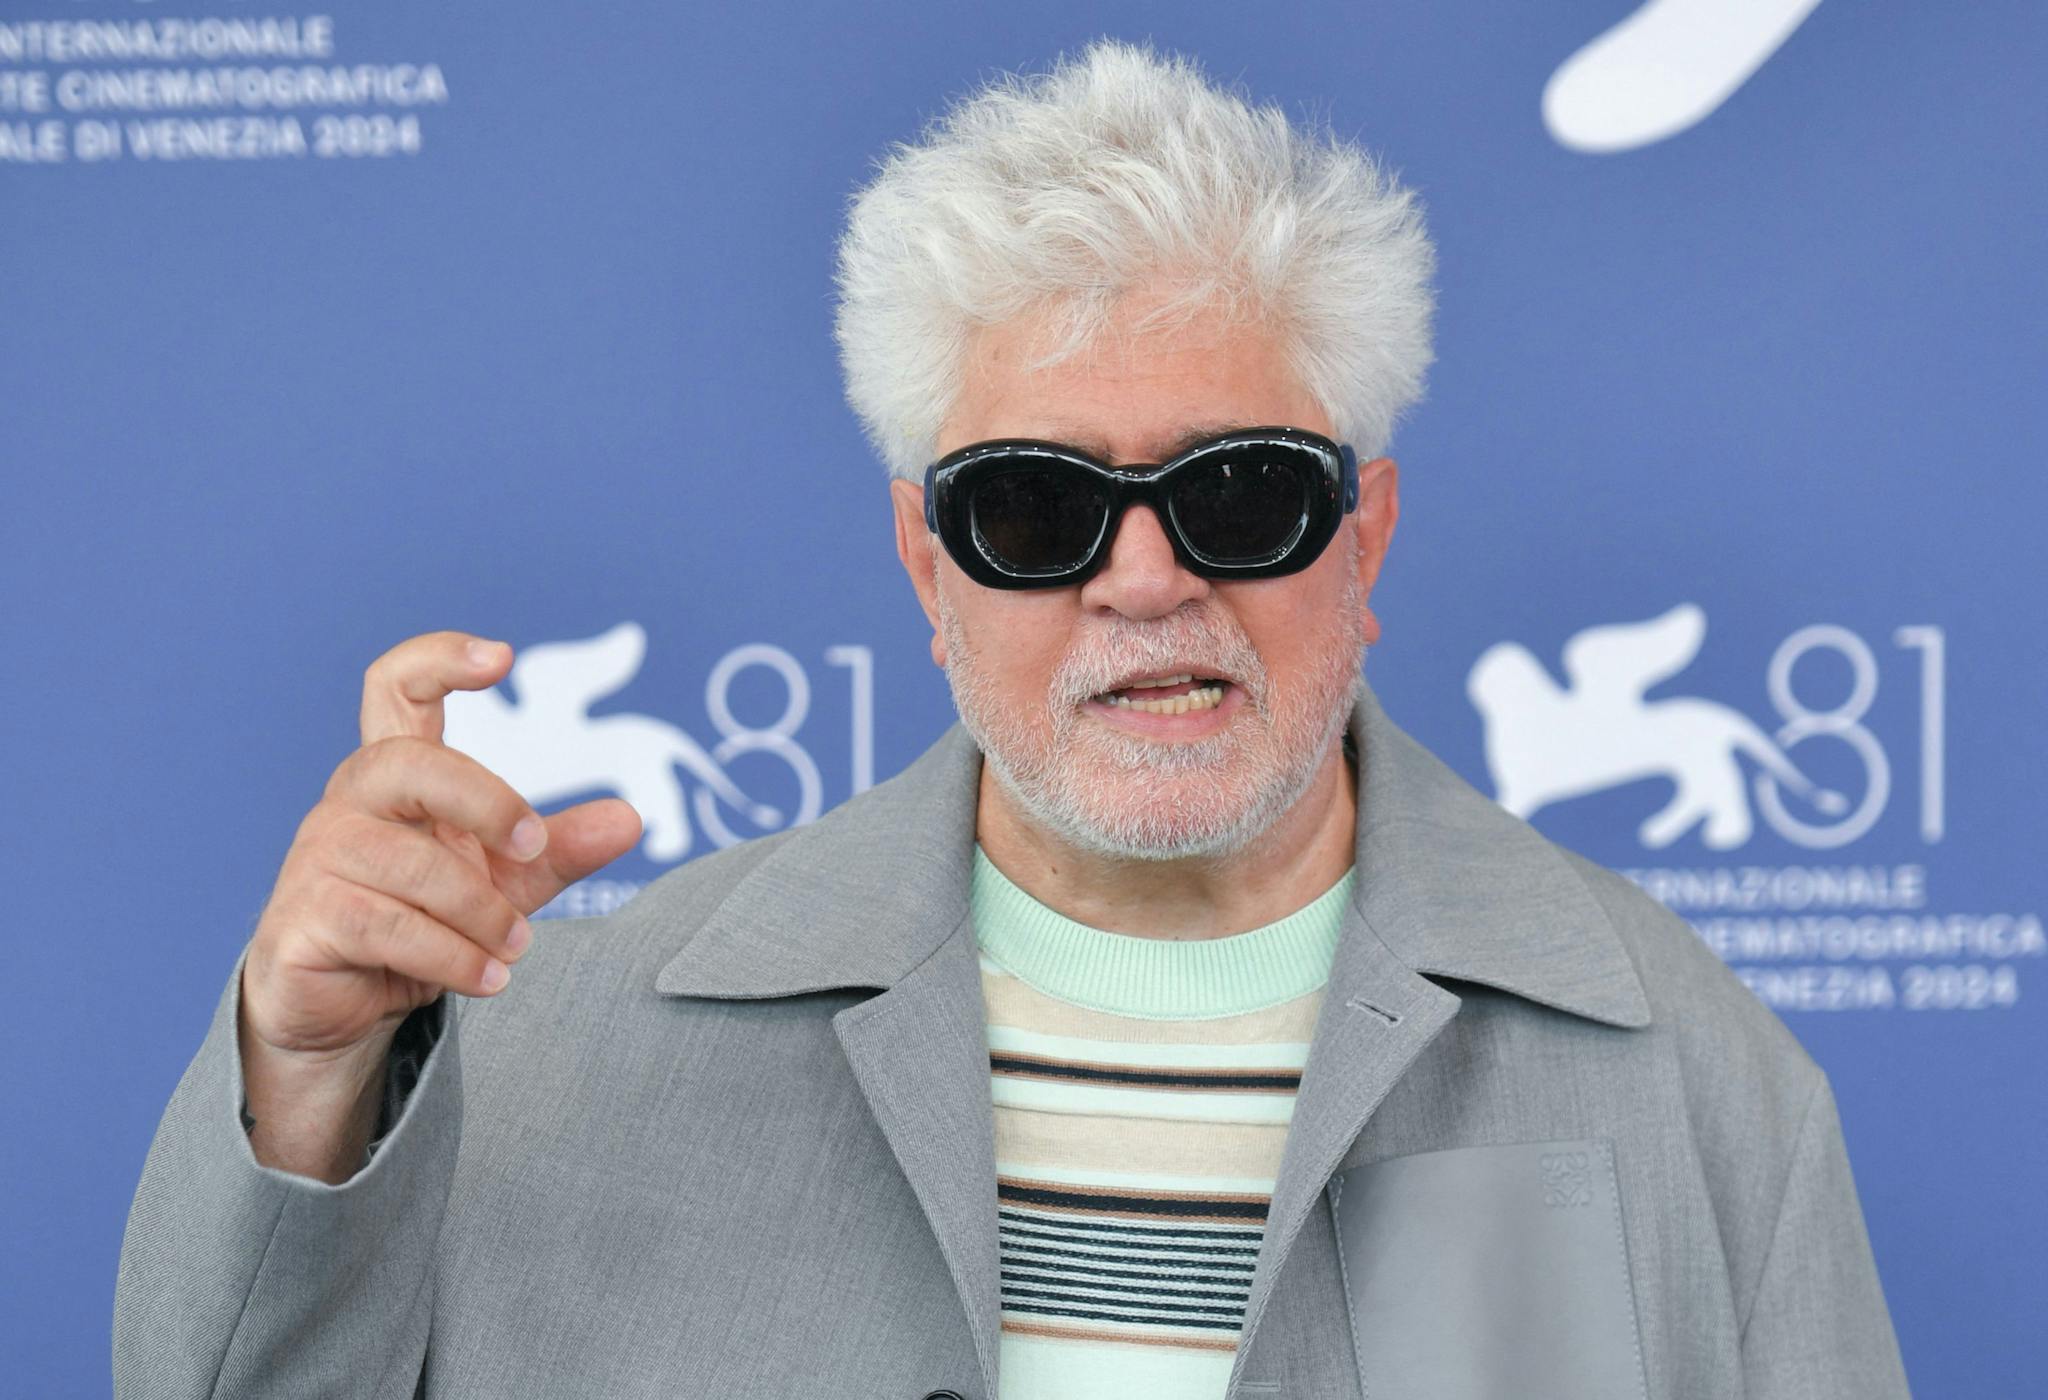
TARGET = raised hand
x,y
411,876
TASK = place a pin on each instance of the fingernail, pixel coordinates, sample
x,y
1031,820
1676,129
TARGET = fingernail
x,y
483,653
528,838
519,937
496,975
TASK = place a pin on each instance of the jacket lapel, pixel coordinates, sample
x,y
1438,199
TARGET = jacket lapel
x,y
1376,1017
875,895
920,1052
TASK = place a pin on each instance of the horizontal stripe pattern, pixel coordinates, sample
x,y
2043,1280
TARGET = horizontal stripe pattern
x,y
1070,1038
1087,1149
1108,1101
1139,1124
1214,1080
1132,1192
1189,1272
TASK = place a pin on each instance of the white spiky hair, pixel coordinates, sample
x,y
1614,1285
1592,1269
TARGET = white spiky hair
x,y
1062,192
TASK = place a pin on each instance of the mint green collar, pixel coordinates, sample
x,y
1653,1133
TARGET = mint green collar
x,y
1155,978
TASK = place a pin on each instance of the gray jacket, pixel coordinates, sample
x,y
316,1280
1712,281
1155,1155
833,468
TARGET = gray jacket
x,y
736,1139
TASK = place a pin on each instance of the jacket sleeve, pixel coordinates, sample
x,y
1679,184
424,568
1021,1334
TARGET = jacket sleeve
x,y
240,1280
1817,1324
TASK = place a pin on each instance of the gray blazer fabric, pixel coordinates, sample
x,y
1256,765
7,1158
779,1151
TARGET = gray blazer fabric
x,y
736,1139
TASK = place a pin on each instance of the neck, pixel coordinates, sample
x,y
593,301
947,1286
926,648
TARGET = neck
x,y
1294,861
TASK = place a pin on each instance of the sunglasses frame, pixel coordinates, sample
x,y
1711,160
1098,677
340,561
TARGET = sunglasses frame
x,y
950,482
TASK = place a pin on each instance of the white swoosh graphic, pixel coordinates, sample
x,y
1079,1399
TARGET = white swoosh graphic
x,y
1664,68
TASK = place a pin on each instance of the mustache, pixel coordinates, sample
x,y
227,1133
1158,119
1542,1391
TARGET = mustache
x,y
1191,640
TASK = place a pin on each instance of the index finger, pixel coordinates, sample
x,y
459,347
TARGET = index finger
x,y
403,689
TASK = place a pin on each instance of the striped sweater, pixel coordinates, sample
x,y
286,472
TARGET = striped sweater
x,y
1142,1092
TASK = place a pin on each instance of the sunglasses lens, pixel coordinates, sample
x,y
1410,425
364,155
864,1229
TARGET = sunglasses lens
x,y
1037,520
1244,508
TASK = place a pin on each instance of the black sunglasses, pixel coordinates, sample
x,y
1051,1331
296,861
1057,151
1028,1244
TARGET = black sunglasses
x,y
1255,503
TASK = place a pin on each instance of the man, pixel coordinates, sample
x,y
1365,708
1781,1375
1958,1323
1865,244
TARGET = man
x,y
1175,1027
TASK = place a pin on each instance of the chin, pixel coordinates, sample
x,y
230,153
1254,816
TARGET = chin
x,y
1146,839
1162,811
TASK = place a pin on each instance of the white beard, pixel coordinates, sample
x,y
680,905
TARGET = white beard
x,y
1129,798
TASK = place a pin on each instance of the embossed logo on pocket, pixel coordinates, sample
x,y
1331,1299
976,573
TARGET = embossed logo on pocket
x,y
1453,1263
1567,1179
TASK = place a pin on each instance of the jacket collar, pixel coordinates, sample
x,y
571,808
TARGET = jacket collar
x,y
1453,885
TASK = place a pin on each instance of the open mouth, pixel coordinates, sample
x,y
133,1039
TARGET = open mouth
x,y
1168,695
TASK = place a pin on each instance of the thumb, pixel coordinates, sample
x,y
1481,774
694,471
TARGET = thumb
x,y
581,840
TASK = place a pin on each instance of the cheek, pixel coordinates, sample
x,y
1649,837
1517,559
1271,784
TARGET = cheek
x,y
1020,637
1027,662
1296,621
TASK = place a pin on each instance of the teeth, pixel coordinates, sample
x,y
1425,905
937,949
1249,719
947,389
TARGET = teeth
x,y
1206,698
1169,680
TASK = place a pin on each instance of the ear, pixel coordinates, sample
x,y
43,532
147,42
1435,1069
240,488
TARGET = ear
x,y
914,548
1379,506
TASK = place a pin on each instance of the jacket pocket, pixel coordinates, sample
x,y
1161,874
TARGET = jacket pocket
x,y
1481,1272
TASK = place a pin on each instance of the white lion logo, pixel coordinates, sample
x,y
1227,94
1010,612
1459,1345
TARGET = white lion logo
x,y
547,746
1545,743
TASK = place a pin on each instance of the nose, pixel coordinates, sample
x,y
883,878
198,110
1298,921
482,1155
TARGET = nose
x,y
1141,578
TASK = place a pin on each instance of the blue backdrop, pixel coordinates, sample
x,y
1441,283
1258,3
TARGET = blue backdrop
x,y
520,323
